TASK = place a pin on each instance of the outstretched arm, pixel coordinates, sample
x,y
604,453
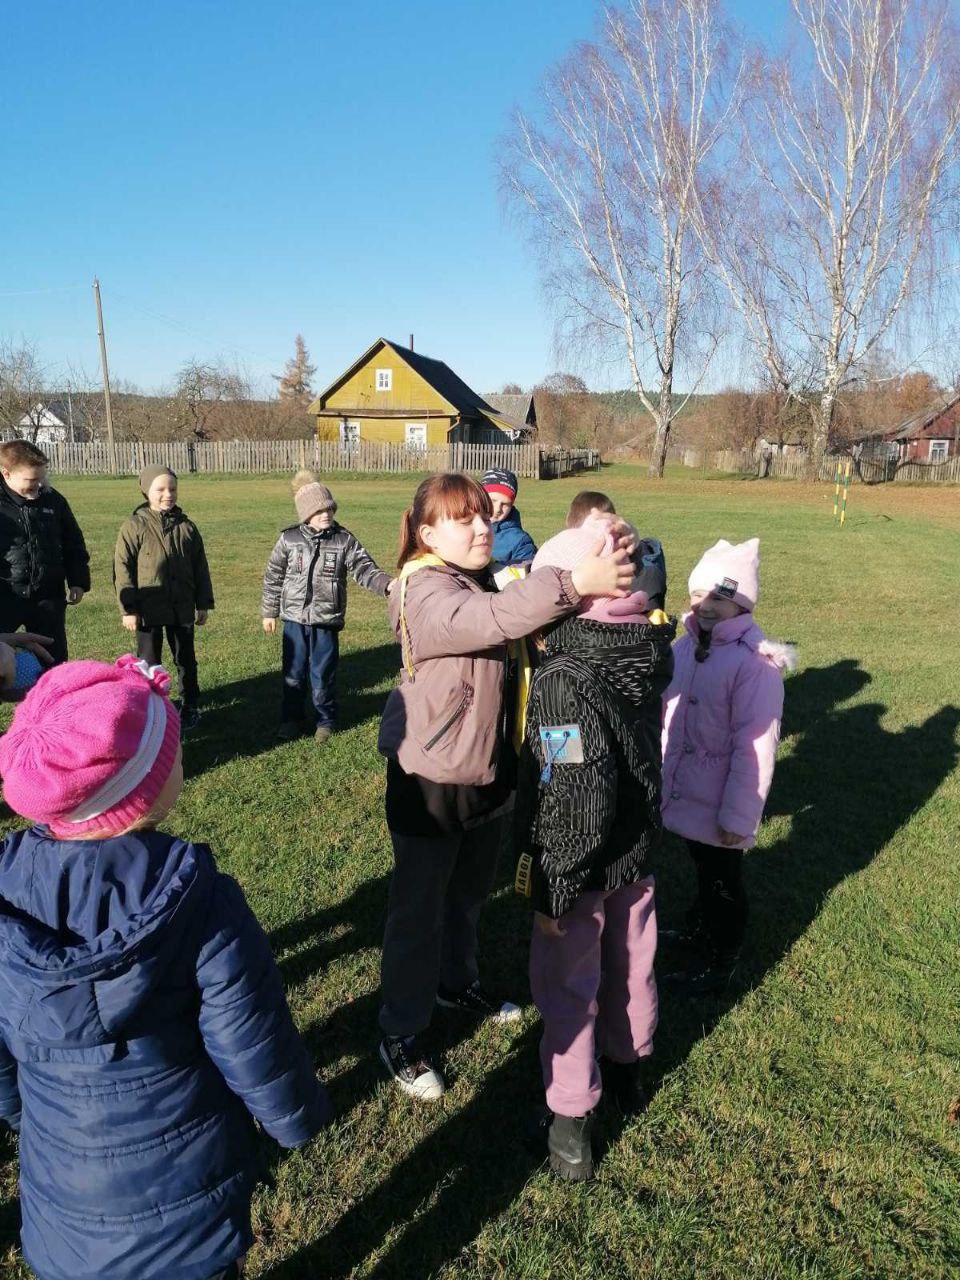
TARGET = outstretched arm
x,y
364,568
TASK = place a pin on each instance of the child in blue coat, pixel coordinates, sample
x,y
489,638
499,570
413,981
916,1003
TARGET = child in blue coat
x,y
511,542
143,1023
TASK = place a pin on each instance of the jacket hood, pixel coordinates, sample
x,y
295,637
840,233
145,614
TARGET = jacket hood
x,y
87,928
626,656
744,630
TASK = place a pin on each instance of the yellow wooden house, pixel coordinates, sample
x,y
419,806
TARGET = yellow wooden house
x,y
393,394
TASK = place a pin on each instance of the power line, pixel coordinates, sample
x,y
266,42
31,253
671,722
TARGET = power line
x,y
33,293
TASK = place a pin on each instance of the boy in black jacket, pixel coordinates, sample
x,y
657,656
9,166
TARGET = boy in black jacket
x,y
41,549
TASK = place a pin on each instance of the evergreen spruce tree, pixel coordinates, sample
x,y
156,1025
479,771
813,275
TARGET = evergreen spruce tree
x,y
294,384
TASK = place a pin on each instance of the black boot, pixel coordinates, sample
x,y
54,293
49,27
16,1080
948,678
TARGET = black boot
x,y
569,1145
623,1085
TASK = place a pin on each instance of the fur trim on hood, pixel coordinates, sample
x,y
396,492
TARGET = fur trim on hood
x,y
778,654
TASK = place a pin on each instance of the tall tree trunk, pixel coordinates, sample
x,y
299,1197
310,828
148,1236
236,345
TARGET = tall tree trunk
x,y
821,413
663,417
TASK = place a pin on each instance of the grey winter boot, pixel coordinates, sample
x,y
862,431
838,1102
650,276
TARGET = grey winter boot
x,y
568,1142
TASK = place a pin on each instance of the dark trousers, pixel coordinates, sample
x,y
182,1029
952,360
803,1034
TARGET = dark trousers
x,y
439,886
310,656
46,617
228,1273
720,909
183,652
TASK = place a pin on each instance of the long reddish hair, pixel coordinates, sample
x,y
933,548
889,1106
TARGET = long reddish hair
x,y
449,495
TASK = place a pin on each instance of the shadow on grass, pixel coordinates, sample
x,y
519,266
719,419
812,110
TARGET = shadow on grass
x,y
848,787
240,719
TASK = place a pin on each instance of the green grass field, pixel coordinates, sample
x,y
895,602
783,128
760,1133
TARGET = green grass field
x,y
802,1125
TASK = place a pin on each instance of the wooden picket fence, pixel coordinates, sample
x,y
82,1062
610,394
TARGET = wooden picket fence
x,y
794,466
258,457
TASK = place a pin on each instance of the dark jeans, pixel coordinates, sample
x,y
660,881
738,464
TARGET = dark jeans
x,y
310,656
720,909
46,617
438,888
180,639
228,1273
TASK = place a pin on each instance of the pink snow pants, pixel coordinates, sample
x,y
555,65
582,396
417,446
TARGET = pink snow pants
x,y
596,992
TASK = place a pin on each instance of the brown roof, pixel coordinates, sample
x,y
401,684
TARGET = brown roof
x,y
932,423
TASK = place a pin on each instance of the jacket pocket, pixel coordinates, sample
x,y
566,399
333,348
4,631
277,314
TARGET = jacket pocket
x,y
450,716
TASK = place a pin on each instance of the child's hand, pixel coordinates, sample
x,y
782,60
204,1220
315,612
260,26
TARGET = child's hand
x,y
30,640
600,575
130,621
269,626
75,595
549,927
729,838
202,615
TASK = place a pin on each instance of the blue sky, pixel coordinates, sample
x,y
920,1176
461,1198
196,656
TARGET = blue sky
x,y
238,172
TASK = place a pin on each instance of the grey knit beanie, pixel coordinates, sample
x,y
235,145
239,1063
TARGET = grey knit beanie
x,y
149,474
310,496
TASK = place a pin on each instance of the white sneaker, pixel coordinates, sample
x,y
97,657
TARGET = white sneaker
x,y
412,1070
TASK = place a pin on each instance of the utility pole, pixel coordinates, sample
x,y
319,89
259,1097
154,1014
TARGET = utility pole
x,y
106,377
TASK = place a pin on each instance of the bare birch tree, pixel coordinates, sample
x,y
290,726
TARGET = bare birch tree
x,y
827,234
610,178
23,381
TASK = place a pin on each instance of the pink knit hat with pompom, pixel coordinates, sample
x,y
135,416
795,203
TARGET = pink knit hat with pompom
x,y
566,549
91,747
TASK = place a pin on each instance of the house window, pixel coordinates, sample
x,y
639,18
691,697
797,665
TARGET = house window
x,y
350,434
416,435
939,450
384,379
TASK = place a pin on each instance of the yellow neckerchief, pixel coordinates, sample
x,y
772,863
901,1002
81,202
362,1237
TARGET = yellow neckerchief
x,y
518,648
426,561
520,652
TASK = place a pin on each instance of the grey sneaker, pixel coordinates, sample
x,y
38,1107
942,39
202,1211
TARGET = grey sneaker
x,y
323,733
412,1069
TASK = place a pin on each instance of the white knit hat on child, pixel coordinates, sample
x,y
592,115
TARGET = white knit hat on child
x,y
730,571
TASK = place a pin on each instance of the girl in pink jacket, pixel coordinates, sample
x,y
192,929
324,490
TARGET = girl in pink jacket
x,y
720,734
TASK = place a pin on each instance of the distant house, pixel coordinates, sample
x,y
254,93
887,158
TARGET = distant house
x,y
59,420
520,409
396,395
929,436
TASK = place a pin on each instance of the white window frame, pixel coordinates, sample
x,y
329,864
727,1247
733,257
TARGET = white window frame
x,y
415,435
384,380
349,433
937,444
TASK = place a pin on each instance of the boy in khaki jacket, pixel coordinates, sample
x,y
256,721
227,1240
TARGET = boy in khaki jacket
x,y
163,583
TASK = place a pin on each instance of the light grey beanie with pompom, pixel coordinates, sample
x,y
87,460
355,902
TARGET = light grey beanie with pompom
x,y
310,496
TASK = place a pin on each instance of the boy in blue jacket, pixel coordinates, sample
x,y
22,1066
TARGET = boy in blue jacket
x,y
143,1023
511,542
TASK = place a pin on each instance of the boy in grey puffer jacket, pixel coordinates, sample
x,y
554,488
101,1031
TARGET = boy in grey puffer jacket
x,y
305,584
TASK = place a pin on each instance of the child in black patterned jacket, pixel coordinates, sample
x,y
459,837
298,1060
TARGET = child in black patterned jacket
x,y
588,818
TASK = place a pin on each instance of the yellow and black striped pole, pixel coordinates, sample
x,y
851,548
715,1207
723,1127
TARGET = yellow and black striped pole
x,y
846,488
